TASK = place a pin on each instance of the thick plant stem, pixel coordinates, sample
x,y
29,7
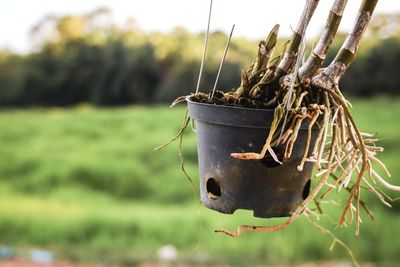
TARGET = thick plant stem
x,y
318,55
265,49
259,73
347,53
244,88
290,56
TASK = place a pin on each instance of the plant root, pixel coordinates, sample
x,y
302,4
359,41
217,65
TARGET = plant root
x,y
339,151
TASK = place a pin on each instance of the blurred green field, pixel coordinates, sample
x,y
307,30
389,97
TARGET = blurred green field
x,y
86,183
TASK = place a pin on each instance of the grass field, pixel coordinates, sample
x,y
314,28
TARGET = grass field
x,y
86,183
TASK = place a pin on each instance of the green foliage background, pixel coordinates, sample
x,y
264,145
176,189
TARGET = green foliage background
x,y
86,183
81,61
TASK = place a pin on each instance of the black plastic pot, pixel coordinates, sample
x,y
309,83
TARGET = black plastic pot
x,y
228,184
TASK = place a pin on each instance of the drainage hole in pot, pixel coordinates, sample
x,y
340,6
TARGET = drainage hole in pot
x,y
213,189
269,162
306,189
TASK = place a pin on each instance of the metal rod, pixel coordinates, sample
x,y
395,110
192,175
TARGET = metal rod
x,y
292,83
205,47
223,60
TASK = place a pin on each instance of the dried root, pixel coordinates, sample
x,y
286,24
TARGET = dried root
x,y
340,152
307,97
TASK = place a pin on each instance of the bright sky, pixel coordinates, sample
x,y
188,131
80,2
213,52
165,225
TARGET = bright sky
x,y
253,18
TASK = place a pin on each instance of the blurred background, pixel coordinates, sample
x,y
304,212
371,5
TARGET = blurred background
x,y
84,94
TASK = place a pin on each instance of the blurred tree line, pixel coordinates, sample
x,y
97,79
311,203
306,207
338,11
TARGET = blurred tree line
x,y
90,59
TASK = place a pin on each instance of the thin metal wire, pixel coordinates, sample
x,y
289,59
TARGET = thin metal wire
x,y
222,60
205,48
294,78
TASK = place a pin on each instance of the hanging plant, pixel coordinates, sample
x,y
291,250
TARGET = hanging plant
x,y
258,144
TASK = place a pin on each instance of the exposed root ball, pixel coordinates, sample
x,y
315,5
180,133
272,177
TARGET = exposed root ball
x,y
345,157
